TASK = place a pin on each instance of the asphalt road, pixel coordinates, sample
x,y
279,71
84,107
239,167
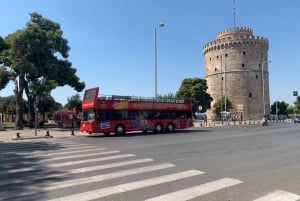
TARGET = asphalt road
x,y
237,163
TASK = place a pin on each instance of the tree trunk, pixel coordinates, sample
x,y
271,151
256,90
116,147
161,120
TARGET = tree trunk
x,y
30,106
19,88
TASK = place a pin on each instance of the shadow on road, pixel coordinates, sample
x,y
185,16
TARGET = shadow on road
x,y
23,172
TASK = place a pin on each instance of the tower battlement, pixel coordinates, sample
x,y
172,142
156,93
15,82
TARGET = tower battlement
x,y
234,37
235,31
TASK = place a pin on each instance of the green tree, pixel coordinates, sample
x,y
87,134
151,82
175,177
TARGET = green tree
x,y
297,105
219,107
47,105
74,102
8,107
37,57
166,96
195,89
282,108
290,109
4,73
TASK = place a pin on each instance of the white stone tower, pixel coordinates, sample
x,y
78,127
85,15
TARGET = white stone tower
x,y
237,68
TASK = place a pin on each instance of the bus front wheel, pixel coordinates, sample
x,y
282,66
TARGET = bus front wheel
x,y
158,128
120,130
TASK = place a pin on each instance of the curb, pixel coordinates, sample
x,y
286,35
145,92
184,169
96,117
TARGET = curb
x,y
29,138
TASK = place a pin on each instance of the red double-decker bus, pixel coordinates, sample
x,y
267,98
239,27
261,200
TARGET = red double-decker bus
x,y
121,114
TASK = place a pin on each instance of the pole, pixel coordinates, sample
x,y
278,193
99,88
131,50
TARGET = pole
x,y
222,90
35,116
276,111
155,55
155,62
263,86
225,101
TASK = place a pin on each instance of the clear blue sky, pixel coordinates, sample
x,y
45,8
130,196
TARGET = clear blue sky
x,y
112,41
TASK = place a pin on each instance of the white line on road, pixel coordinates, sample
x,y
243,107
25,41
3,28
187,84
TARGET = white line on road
x,y
197,191
279,195
40,156
62,152
80,170
104,177
90,160
30,151
49,174
122,188
110,165
80,155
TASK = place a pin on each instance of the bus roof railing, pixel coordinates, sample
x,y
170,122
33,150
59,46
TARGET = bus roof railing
x,y
140,99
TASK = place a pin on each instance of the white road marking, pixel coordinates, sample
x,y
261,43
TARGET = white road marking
x,y
62,152
279,195
104,177
110,165
90,160
24,152
49,174
80,155
197,191
30,178
122,188
75,155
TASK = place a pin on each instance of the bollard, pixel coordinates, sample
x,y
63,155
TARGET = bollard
x,y
47,134
72,133
18,135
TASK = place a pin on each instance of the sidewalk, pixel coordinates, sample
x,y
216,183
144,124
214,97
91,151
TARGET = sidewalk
x,y
26,133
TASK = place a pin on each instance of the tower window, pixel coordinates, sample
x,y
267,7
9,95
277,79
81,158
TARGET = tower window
x,y
244,52
210,59
226,55
216,69
243,65
218,57
256,76
250,95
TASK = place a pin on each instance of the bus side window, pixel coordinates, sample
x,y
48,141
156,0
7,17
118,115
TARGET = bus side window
x,y
180,114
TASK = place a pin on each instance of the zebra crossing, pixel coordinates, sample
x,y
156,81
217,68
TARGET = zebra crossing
x,y
30,169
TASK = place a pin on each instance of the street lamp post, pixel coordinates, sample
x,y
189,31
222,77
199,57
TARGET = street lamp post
x,y
225,101
225,96
263,85
155,55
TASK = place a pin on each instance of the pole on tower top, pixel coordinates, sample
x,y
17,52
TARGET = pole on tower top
x,y
234,22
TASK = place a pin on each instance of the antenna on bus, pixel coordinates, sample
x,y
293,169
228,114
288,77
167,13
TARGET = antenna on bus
x,y
234,22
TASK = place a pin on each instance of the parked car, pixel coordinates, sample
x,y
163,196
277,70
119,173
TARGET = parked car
x,y
297,120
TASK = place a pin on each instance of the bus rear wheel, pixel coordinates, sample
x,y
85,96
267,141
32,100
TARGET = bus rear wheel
x,y
120,130
158,128
171,127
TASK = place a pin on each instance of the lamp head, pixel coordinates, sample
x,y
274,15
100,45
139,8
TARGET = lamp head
x,y
161,25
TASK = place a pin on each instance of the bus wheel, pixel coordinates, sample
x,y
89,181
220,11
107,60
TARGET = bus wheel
x,y
120,130
158,128
171,127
